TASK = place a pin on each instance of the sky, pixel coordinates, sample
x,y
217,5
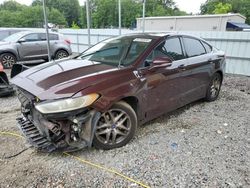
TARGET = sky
x,y
190,6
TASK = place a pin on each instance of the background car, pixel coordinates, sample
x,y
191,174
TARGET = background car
x,y
27,45
5,32
102,96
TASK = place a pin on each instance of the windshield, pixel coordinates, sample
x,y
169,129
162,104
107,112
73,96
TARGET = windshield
x,y
117,51
13,38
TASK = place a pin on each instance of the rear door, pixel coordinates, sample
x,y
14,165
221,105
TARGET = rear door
x,y
199,66
30,49
53,40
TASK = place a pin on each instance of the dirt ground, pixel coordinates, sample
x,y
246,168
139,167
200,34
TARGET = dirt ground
x,y
200,145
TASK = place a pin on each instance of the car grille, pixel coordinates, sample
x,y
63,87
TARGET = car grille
x,y
33,135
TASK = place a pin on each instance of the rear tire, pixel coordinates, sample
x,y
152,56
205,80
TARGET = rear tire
x,y
7,60
214,87
61,54
116,127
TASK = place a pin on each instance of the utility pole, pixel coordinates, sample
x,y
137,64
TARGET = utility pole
x,y
120,17
47,30
88,22
143,15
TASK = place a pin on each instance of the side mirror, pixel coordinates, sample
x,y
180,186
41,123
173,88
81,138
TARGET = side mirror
x,y
21,40
160,62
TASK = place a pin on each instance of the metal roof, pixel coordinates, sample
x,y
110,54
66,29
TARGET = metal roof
x,y
194,16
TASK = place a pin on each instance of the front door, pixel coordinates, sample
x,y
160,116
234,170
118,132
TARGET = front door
x,y
162,91
30,48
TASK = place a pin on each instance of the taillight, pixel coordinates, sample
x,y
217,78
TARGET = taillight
x,y
1,67
67,41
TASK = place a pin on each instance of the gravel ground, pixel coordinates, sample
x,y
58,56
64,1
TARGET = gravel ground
x,y
200,145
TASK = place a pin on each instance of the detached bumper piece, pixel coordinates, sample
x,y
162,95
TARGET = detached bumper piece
x,y
5,88
33,135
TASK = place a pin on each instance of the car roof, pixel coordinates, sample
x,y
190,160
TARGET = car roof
x,y
30,32
156,35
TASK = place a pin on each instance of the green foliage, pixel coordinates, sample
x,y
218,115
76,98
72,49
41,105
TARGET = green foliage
x,y
12,6
69,8
104,13
16,15
74,26
221,6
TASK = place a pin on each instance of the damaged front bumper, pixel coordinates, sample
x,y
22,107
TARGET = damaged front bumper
x,y
68,131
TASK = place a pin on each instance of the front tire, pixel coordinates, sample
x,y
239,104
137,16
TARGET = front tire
x,y
8,60
115,127
214,87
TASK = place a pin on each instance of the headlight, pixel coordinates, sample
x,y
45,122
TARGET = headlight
x,y
66,104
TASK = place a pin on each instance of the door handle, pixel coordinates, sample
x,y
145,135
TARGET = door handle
x,y
182,67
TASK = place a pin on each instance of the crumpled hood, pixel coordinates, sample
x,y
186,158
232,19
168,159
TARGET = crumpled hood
x,y
61,79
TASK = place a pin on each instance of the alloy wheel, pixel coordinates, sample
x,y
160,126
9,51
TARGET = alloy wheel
x,y
61,54
113,127
215,87
8,61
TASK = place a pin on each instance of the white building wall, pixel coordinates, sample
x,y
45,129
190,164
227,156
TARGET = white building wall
x,y
190,23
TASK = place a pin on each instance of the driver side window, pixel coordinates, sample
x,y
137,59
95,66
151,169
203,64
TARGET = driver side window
x,y
169,48
31,37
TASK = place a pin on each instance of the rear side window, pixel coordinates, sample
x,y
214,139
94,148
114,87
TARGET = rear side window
x,y
193,47
207,47
51,36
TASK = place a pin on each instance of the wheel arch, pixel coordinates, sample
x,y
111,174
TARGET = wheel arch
x,y
221,74
132,101
10,52
57,50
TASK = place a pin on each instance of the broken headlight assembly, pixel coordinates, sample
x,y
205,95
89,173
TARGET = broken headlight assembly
x,y
66,105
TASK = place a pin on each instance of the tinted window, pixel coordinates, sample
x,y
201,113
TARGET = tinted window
x,y
31,37
51,36
193,47
207,47
170,48
173,48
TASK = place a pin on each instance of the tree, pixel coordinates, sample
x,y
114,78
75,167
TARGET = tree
x,y
12,6
15,15
69,8
104,13
221,6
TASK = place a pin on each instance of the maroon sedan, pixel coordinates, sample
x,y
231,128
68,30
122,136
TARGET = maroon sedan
x,y
100,97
